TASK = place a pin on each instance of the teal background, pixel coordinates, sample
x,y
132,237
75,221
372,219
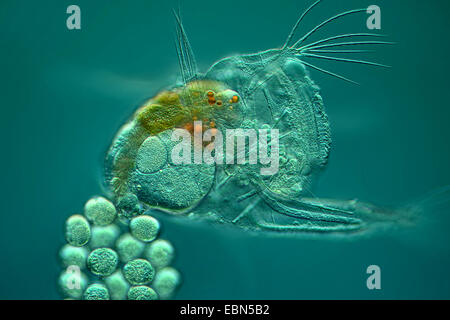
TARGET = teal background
x,y
64,94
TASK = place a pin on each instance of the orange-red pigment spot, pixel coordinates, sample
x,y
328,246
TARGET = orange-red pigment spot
x,y
189,126
210,146
211,100
198,128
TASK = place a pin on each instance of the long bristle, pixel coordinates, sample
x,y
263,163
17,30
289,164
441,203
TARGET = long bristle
x,y
329,73
345,60
185,54
325,23
294,29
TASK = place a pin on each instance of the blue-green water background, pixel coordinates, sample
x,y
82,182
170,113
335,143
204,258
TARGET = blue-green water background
x,y
65,93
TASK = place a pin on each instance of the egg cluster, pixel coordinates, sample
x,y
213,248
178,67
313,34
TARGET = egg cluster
x,y
114,253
